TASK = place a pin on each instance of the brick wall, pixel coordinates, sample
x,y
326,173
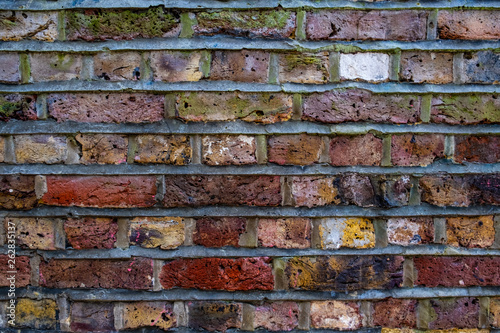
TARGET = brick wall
x,y
250,165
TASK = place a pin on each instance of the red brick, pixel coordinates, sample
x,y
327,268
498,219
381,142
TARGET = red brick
x,y
315,191
300,149
16,106
218,273
22,267
17,192
242,66
455,313
100,191
393,191
91,233
214,316
106,108
336,315
175,66
103,148
469,24
136,273
9,73
457,271
222,190
92,317
285,233
218,232
356,189
414,150
465,109
356,150
426,67
480,149
395,313
277,316
228,150
476,231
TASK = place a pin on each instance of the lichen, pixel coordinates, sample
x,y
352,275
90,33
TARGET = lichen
x,y
471,108
276,19
297,60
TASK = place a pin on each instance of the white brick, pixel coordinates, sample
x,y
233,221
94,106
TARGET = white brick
x,y
365,66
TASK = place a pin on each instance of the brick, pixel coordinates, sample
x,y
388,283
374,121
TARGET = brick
x,y
416,150
300,149
372,67
214,316
494,312
410,231
41,148
241,66
91,232
465,109
395,313
218,232
117,66
277,316
249,23
469,24
222,190
173,149
106,108
218,273
335,233
482,67
393,191
2,149
252,107
470,231
361,105
148,314
345,273
454,313
33,233
228,150
484,189
92,317
162,232
103,148
315,191
175,66
457,271
426,67
15,106
303,67
10,73
22,266
38,314
357,190
285,233
55,66
101,24
479,149
135,273
405,25
335,315
19,25
17,192
100,191
355,150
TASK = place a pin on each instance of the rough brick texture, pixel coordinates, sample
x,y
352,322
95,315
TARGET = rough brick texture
x,y
459,24
212,232
90,233
291,149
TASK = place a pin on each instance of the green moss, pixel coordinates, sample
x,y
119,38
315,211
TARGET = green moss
x,y
9,108
470,108
297,60
276,19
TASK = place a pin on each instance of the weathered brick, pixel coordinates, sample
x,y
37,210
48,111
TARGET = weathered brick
x,y
148,314
9,72
426,67
361,105
38,314
414,149
304,67
484,189
494,312
173,149
175,66
162,232
101,24
55,66
250,23
335,233
106,108
470,231
228,150
92,317
117,66
454,313
19,25
410,231
242,66
356,189
33,233
91,232
465,109
253,107
285,233
103,148
2,149
315,191
345,273
41,148
214,316
15,106
393,191
356,150
218,273
100,191
336,315
457,271
300,149
136,273
277,316
469,24
218,232
482,67
481,149
395,313
222,190
22,267
17,192
372,67
408,25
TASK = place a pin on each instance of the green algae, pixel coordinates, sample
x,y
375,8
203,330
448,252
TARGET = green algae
x,y
276,19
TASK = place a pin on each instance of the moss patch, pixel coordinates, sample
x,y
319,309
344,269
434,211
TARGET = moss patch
x,y
16,107
276,19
